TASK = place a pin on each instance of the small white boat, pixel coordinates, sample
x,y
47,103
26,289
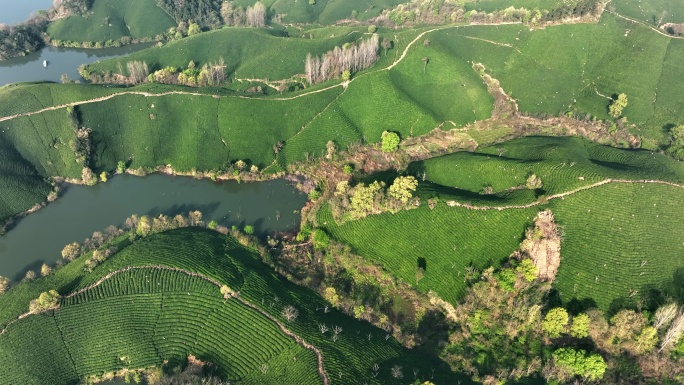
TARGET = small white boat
x,y
45,63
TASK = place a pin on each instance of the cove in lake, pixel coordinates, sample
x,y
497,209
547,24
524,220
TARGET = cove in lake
x,y
15,12
29,68
81,210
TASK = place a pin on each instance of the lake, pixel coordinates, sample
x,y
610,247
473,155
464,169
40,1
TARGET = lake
x,y
15,12
82,210
29,68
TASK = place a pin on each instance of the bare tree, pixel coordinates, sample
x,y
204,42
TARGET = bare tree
x,y
664,315
337,329
322,328
290,313
4,284
351,57
674,333
256,15
396,372
386,44
137,71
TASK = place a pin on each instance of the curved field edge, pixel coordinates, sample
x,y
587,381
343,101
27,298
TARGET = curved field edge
x,y
220,258
143,306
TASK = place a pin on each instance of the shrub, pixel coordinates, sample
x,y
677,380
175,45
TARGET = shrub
x,y
4,284
372,28
45,270
314,194
390,141
249,229
46,301
320,240
212,225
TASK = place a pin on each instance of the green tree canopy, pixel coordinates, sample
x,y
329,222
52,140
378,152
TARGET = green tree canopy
x,y
555,322
615,109
402,189
580,326
578,363
390,141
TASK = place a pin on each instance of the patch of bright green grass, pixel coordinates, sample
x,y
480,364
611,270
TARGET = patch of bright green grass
x,y
654,12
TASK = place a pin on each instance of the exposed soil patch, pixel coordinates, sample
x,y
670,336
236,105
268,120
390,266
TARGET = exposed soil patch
x,y
542,244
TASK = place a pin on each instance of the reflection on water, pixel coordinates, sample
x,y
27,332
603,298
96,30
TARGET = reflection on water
x,y
80,210
17,11
61,61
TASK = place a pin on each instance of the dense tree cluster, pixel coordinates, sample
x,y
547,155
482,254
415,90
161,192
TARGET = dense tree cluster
x,y
444,11
362,200
350,57
46,301
204,12
21,39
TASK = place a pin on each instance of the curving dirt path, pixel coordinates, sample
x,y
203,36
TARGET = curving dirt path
x,y
560,195
645,25
285,330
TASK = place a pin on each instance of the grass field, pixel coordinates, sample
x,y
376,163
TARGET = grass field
x,y
199,323
654,12
112,20
607,224
568,67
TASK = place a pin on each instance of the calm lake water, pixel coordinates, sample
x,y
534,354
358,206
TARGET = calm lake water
x,y
17,11
81,210
29,68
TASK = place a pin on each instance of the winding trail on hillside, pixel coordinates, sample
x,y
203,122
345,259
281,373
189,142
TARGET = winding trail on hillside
x,y
561,195
319,356
644,24
188,93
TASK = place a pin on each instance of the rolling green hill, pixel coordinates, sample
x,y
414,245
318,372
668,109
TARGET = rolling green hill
x,y
147,315
112,20
577,68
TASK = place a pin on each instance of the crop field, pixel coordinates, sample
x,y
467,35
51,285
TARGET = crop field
x,y
569,67
563,164
323,11
655,12
134,318
160,130
112,20
621,242
131,304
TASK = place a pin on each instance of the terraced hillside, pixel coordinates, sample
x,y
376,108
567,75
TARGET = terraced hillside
x,y
170,306
613,224
112,20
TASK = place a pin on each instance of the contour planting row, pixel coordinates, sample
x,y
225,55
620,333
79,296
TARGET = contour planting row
x,y
621,243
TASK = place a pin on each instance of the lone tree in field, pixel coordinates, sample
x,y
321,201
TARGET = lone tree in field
x,y
386,44
256,15
390,141
4,284
617,106
290,313
46,301
533,182
426,60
